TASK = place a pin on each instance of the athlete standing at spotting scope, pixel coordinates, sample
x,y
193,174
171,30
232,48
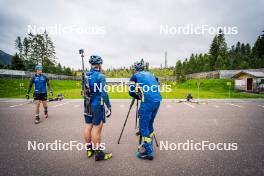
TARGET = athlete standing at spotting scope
x,y
144,86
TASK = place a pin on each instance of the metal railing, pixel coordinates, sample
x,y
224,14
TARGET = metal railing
x,y
17,74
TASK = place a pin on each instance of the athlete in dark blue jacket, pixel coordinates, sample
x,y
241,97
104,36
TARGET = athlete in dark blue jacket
x,y
145,86
40,82
96,82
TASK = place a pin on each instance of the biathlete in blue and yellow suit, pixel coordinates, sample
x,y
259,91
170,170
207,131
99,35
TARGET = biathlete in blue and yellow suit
x,y
40,82
96,82
145,86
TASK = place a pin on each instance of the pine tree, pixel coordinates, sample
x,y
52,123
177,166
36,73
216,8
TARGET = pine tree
x,y
222,44
248,49
238,48
59,69
17,63
220,63
178,70
19,46
240,56
258,52
26,48
36,49
49,48
191,65
67,71
206,63
214,52
243,49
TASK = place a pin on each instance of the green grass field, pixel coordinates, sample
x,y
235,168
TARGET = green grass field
x,y
211,88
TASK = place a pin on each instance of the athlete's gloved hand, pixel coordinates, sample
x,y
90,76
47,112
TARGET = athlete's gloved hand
x,y
108,112
27,96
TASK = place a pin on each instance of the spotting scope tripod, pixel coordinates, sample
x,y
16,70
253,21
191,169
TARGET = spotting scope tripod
x,y
136,125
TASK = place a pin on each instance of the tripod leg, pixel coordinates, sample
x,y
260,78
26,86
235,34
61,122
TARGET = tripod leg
x,y
122,131
156,140
136,115
140,140
132,102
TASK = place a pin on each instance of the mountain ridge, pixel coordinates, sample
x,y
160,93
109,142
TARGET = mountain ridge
x,y
5,58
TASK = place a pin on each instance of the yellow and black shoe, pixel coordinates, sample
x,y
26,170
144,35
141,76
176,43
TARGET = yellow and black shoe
x,y
100,155
90,152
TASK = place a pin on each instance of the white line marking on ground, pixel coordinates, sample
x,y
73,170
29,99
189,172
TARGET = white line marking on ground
x,y
189,105
261,106
168,106
121,106
76,106
216,106
61,104
215,121
21,104
231,104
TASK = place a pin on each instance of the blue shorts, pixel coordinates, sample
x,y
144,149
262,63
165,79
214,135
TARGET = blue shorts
x,y
98,115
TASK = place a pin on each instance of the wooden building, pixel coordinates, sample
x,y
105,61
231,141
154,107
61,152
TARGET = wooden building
x,y
249,81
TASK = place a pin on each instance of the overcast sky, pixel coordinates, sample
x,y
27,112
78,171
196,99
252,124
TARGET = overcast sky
x,y
122,31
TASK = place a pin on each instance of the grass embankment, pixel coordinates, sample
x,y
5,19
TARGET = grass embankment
x,y
211,88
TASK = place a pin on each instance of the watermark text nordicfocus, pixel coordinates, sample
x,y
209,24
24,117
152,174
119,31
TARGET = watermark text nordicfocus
x,y
198,146
191,29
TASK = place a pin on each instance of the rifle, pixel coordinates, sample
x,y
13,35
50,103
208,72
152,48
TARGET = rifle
x,y
86,93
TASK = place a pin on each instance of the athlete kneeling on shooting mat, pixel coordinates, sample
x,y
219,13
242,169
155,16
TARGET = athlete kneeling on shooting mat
x,y
95,82
40,82
145,86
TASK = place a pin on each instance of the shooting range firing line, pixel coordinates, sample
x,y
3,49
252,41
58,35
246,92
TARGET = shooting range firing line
x,y
189,105
231,104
